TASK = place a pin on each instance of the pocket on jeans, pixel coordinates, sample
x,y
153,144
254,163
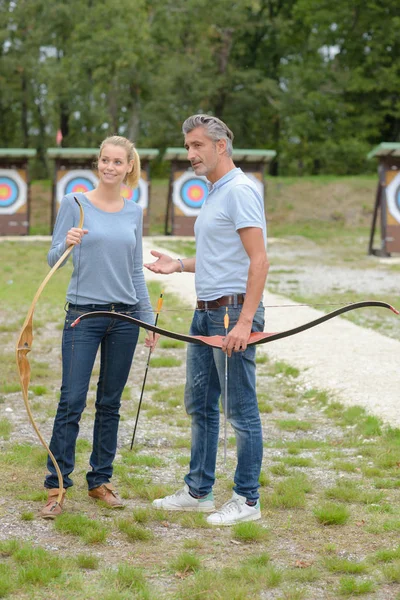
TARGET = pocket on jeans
x,y
131,312
217,316
72,315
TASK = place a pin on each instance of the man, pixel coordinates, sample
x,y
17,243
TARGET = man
x,y
231,267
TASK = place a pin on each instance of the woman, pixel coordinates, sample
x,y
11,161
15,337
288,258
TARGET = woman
x,y
107,275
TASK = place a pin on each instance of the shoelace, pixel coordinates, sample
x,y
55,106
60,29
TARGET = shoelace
x,y
177,494
230,506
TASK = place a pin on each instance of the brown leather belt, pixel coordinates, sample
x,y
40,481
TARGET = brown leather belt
x,y
223,301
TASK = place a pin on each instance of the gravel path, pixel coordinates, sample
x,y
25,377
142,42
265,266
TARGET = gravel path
x,y
358,365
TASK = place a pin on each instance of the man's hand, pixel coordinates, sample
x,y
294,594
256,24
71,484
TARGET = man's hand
x,y
236,340
164,264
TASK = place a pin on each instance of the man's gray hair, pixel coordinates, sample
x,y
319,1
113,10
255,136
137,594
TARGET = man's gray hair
x,y
215,129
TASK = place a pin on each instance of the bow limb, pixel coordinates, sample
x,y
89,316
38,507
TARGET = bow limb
x,y
204,340
24,345
255,338
262,338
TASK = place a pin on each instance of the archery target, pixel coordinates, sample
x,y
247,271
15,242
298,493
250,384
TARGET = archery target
x,y
393,197
194,192
189,193
13,191
78,180
140,195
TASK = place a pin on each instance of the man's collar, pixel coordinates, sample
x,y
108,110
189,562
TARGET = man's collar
x,y
227,177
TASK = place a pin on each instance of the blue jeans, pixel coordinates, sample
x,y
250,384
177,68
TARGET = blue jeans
x,y
205,383
117,340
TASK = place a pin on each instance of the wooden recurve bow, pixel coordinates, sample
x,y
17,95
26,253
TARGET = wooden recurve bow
x,y
24,346
255,338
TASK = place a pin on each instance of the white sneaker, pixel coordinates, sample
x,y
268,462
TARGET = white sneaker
x,y
182,500
235,511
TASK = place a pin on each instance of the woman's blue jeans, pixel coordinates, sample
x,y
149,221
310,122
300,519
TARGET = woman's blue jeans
x,y
117,340
205,384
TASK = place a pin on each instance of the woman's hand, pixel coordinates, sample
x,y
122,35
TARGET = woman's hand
x,y
75,235
151,340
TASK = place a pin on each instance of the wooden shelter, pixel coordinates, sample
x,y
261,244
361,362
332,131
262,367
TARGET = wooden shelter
x,y
387,199
15,191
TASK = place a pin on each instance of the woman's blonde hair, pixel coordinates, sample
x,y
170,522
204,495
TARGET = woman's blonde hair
x,y
132,178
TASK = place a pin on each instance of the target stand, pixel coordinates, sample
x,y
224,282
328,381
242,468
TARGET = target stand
x,y
387,199
187,192
74,171
14,191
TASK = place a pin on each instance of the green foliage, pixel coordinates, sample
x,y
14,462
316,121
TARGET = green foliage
x,y
91,531
127,578
290,493
6,580
349,586
297,461
169,343
36,566
249,532
27,516
331,514
39,390
87,561
5,428
335,564
194,520
25,455
136,459
133,531
387,555
280,367
141,515
265,407
164,361
186,563
324,78
294,425
391,572
279,470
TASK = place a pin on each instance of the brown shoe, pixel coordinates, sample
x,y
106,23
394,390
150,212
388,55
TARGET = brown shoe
x,y
106,493
53,508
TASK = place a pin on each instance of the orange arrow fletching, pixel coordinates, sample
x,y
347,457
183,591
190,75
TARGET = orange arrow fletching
x,y
226,320
159,303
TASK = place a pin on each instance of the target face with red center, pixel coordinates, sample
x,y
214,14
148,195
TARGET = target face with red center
x,y
8,191
13,191
75,181
189,193
80,184
138,195
130,194
194,192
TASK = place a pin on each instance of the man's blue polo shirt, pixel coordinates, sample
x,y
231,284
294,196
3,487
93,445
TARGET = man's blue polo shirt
x,y
222,263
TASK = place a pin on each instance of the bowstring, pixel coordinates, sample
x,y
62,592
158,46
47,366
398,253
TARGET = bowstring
x,y
73,345
322,304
